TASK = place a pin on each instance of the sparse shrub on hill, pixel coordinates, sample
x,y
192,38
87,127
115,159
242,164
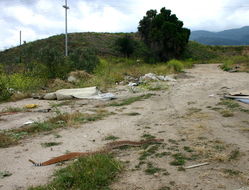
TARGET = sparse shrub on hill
x,y
54,60
126,45
84,59
199,52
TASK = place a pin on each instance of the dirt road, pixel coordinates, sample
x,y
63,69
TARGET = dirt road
x,y
196,125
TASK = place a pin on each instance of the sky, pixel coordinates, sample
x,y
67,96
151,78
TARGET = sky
x,y
39,19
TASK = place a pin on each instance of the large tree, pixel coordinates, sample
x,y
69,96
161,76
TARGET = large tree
x,y
164,34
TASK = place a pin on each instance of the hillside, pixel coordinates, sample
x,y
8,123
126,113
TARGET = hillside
x,y
102,43
238,36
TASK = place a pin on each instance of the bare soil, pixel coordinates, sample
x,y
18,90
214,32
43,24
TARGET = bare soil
x,y
187,116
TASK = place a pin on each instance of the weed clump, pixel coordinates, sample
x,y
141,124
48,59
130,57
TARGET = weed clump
x,y
111,137
93,172
49,144
131,100
179,159
175,66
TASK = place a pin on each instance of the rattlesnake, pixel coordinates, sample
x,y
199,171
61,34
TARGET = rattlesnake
x,y
107,148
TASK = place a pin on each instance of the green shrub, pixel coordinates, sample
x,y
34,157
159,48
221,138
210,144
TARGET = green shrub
x,y
23,83
4,90
84,59
175,65
126,45
227,65
9,84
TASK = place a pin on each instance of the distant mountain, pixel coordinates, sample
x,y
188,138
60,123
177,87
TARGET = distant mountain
x,y
238,36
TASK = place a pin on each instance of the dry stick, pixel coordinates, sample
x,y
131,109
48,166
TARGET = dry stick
x,y
197,165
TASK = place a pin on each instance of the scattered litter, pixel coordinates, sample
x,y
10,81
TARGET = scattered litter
x,y
242,96
4,174
196,165
240,93
31,106
234,69
44,110
79,93
152,76
28,122
246,101
132,84
243,188
104,96
224,87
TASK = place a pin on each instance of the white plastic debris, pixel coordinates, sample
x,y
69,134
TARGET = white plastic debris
x,y
152,76
79,93
28,122
132,84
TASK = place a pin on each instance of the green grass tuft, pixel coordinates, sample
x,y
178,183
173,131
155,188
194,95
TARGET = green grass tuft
x,y
179,159
234,155
150,170
131,100
133,114
89,173
111,138
49,144
231,104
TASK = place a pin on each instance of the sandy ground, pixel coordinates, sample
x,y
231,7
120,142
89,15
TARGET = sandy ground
x,y
184,116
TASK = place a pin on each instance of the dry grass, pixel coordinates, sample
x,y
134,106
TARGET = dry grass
x,y
12,137
220,157
19,96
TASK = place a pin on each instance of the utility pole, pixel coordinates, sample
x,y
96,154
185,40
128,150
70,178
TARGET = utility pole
x,y
20,37
66,8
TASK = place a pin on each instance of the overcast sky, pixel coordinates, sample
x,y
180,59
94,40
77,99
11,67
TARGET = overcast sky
x,y
42,18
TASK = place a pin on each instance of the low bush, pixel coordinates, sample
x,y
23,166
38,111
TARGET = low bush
x,y
242,62
11,84
175,66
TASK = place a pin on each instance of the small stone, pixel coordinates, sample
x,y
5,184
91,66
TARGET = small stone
x,y
156,174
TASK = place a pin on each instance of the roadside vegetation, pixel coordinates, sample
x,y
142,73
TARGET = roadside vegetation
x,y
236,64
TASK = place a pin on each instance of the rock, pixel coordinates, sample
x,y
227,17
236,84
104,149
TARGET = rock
x,y
49,96
60,96
72,79
76,76
156,174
